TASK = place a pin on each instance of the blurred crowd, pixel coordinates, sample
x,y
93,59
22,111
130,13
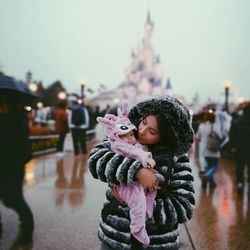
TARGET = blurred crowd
x,y
220,133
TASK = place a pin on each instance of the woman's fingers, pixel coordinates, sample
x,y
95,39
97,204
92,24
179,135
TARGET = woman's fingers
x,y
154,187
116,195
146,177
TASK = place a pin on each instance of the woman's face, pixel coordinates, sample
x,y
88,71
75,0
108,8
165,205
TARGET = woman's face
x,y
148,131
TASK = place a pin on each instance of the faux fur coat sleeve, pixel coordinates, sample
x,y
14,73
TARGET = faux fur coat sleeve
x,y
177,206
108,166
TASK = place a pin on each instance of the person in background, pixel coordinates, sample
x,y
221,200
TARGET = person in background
x,y
97,113
239,137
15,151
78,120
211,157
61,126
201,142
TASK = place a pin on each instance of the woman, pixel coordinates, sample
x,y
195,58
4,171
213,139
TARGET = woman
x,y
163,124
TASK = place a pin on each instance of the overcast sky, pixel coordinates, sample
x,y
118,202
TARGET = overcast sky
x,y
201,43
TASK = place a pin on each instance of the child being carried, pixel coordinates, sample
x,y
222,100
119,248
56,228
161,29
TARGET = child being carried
x,y
119,131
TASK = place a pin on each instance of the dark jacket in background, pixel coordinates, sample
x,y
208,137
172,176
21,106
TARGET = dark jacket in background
x,y
14,153
61,121
240,134
14,145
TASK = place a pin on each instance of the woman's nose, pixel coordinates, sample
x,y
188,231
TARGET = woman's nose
x,y
142,130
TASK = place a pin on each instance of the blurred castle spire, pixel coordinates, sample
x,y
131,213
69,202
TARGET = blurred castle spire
x,y
28,77
144,75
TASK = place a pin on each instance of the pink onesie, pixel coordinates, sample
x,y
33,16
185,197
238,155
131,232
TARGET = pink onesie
x,y
140,204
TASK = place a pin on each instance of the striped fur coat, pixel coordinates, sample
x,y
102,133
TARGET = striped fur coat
x,y
169,211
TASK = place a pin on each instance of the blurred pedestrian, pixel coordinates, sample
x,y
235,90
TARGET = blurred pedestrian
x,y
78,119
14,153
211,155
97,113
61,126
200,139
240,143
107,110
224,120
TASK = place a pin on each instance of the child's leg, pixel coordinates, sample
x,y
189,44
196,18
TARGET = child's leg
x,y
150,196
135,198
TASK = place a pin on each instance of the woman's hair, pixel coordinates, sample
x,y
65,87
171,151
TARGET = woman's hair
x,y
174,122
167,135
62,105
168,139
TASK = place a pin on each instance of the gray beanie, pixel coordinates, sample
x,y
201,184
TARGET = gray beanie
x,y
176,114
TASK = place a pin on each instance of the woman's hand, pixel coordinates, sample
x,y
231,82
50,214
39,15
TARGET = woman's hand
x,y
147,179
116,195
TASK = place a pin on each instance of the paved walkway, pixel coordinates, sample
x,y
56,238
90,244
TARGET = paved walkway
x,y
67,201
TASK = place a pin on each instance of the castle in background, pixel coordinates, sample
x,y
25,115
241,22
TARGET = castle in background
x,y
143,78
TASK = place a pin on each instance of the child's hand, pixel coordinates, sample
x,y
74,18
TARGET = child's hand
x,y
147,160
151,163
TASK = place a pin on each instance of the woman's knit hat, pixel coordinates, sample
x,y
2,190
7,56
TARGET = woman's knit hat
x,y
176,114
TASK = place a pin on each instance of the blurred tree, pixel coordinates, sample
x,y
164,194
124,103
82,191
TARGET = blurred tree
x,y
50,95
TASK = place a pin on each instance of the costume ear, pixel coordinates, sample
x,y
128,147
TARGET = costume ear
x,y
125,110
119,112
104,121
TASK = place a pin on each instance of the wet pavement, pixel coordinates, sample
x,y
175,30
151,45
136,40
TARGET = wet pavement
x,y
66,202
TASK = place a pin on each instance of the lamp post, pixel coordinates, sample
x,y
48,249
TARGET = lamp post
x,y
227,86
82,90
33,87
62,95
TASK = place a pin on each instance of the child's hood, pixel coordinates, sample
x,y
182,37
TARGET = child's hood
x,y
115,126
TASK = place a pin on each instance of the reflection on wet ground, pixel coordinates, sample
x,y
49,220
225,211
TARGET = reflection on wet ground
x,y
66,202
70,187
222,217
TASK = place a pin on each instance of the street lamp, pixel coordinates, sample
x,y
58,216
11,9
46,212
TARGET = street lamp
x,y
39,105
82,89
116,100
33,87
227,85
62,95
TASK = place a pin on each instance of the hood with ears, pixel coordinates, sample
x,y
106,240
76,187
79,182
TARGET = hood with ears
x,y
114,126
176,114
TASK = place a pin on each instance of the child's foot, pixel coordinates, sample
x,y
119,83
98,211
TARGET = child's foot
x,y
142,236
149,212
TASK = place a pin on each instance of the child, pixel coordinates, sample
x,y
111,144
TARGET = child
x,y
119,130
